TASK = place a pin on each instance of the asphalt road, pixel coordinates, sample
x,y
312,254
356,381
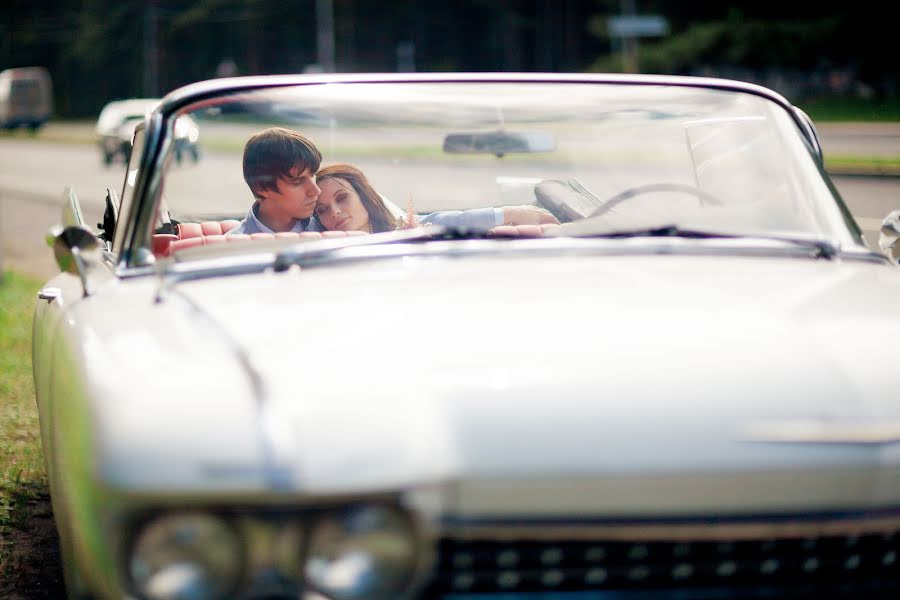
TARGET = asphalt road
x,y
33,175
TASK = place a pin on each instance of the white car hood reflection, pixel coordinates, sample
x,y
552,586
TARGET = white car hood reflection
x,y
382,375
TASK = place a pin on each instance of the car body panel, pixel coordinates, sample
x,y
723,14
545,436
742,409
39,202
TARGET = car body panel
x,y
818,304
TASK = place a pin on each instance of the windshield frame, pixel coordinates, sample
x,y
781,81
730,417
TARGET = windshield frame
x,y
160,136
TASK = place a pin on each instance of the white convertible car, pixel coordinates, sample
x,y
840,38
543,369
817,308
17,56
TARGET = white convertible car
x,y
610,341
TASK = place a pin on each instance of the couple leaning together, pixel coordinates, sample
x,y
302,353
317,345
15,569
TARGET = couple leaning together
x,y
292,193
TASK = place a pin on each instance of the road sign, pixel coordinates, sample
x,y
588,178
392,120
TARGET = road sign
x,y
623,26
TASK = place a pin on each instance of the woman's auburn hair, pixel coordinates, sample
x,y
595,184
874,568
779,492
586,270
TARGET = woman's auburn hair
x,y
380,218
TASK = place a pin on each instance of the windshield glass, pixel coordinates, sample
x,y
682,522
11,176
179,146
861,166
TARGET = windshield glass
x,y
623,156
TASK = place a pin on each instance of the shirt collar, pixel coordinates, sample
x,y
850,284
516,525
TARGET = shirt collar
x,y
299,226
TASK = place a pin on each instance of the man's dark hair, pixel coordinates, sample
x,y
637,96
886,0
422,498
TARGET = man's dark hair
x,y
272,153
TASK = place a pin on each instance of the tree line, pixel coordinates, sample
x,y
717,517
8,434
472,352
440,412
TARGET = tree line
x,y
99,50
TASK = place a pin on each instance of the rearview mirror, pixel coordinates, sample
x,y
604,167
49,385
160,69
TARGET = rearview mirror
x,y
499,142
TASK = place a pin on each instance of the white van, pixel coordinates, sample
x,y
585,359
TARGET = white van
x,y
26,97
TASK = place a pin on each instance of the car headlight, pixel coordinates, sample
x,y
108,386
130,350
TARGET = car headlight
x,y
185,556
364,552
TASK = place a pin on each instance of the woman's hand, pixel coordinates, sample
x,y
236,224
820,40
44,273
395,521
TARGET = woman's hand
x,y
527,215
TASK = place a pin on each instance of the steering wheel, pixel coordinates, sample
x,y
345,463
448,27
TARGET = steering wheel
x,y
703,196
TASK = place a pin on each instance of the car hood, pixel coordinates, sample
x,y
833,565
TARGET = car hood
x,y
677,373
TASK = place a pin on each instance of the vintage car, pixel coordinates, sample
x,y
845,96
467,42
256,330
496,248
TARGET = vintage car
x,y
118,120
672,373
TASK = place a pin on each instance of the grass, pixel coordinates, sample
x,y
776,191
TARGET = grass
x,y
61,132
862,165
29,556
836,109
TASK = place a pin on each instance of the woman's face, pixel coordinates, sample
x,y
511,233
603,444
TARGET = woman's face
x,y
339,206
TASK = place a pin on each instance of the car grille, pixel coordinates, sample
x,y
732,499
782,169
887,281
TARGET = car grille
x,y
869,563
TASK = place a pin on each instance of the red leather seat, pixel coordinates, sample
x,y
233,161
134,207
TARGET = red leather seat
x,y
189,230
213,232
161,243
218,227
228,225
185,243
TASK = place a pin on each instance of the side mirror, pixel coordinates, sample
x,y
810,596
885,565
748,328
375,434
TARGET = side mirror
x,y
77,251
889,240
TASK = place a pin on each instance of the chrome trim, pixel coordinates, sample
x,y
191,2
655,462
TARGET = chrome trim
x,y
682,532
204,89
811,134
49,293
424,505
811,431
160,125
139,210
147,189
889,236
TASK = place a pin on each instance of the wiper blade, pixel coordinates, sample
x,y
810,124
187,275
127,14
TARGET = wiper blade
x,y
820,248
306,251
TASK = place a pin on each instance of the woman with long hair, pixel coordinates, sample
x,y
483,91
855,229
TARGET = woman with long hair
x,y
348,202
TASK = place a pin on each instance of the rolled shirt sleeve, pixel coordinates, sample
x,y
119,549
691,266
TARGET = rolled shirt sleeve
x,y
476,218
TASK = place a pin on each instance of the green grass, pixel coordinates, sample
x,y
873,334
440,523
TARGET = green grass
x,y
863,165
27,541
60,132
823,110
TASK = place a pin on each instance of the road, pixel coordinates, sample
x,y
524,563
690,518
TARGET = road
x,y
33,175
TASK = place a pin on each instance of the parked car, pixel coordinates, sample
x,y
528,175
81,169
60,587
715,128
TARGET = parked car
x,y
26,97
670,392
118,119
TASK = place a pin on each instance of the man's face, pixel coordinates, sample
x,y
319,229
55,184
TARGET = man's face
x,y
296,194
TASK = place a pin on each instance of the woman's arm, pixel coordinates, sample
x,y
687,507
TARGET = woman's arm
x,y
488,218
476,218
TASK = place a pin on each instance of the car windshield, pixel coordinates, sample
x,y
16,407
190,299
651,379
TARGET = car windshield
x,y
622,156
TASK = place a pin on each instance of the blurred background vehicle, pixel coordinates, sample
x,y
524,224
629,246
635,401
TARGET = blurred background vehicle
x,y
116,123
186,135
115,126
26,97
